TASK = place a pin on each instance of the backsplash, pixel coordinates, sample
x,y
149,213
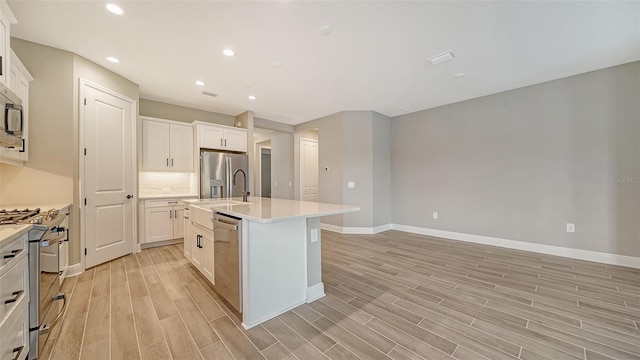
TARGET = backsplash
x,y
157,183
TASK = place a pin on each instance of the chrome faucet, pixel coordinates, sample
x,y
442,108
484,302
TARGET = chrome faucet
x,y
245,193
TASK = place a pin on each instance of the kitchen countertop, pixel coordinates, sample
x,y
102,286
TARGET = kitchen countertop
x,y
167,196
267,210
10,232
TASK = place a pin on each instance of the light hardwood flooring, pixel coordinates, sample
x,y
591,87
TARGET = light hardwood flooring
x,y
391,295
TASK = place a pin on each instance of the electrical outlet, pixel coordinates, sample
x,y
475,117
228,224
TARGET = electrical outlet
x,y
314,235
351,184
275,183
166,190
435,214
571,227
289,183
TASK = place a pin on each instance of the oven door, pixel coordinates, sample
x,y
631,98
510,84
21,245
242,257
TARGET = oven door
x,y
52,302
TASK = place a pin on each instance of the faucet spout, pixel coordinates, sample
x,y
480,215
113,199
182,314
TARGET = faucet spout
x,y
245,193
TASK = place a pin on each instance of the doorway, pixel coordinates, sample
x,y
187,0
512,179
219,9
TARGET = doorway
x,y
107,123
265,172
308,169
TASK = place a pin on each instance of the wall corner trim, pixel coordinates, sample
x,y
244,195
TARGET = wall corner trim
x,y
588,255
315,292
74,270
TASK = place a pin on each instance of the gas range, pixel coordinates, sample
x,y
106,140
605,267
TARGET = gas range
x,y
28,216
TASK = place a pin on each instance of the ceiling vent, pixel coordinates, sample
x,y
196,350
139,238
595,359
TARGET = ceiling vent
x,y
209,94
441,58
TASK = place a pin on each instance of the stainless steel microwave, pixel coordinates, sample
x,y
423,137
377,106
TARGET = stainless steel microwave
x,y
11,123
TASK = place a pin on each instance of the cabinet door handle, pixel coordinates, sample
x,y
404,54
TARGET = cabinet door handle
x,y
221,142
16,295
167,161
13,254
225,142
175,214
19,351
171,162
170,214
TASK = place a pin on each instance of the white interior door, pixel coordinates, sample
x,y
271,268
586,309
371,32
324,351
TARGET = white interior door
x,y
308,170
108,125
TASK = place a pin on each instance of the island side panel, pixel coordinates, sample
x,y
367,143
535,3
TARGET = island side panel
x,y
276,269
315,287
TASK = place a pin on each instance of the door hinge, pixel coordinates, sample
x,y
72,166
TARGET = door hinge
x,y
85,151
85,251
85,101
85,201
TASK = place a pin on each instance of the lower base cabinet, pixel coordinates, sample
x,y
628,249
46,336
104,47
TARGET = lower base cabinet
x,y
201,243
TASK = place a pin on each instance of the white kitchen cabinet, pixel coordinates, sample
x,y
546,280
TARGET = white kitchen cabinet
x,y
163,220
6,19
189,242
19,79
14,291
202,252
221,137
167,145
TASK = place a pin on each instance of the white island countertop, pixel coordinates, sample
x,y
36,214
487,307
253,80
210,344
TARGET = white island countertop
x,y
267,210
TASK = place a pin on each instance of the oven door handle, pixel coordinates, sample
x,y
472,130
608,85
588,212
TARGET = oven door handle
x,y
44,329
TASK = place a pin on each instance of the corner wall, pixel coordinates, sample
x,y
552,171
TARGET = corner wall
x,y
521,164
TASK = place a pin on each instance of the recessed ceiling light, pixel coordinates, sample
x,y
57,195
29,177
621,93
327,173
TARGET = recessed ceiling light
x,y
115,9
199,83
228,52
113,59
458,75
324,30
441,58
252,97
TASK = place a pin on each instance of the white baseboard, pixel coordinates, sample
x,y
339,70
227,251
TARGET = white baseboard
x,y
356,230
74,270
315,292
588,255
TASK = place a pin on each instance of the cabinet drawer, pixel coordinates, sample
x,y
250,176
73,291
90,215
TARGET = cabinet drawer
x,y
163,202
201,217
14,286
12,252
14,334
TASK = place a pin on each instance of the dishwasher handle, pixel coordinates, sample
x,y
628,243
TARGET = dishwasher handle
x,y
218,223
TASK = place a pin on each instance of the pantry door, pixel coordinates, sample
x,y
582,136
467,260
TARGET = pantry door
x,y
308,170
107,125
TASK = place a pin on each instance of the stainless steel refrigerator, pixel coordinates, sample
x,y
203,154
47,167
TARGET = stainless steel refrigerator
x,y
216,172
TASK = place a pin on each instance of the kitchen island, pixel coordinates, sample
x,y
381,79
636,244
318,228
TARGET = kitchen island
x,y
279,251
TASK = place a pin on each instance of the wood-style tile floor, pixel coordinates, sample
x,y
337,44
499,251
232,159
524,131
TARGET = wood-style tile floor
x,y
391,295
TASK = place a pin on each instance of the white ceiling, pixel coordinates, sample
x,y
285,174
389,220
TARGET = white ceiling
x,y
375,57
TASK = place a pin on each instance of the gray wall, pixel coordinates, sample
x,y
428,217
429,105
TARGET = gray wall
x,y
357,162
354,146
381,140
180,113
282,165
521,164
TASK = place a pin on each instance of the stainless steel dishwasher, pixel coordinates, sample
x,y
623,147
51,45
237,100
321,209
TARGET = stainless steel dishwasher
x,y
227,255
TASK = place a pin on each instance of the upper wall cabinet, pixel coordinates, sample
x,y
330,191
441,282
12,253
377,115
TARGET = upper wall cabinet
x,y
166,145
221,137
6,18
19,79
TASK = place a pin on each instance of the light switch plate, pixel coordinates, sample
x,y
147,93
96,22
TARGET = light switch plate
x,y
351,184
571,227
314,235
435,214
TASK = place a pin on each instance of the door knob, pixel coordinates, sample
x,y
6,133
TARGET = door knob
x,y
129,196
